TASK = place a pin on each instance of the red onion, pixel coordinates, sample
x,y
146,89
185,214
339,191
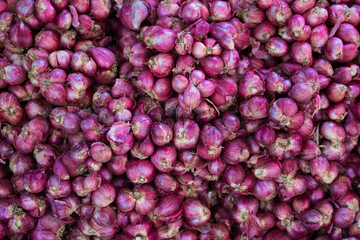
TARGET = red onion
x,y
255,108
20,35
80,61
286,146
117,164
144,149
7,18
236,151
301,53
192,11
277,84
161,39
210,142
195,213
252,16
186,134
168,206
334,49
36,206
231,59
103,57
333,131
348,33
45,11
120,143
251,84
284,112
48,40
191,97
284,33
141,126
144,196
166,183
167,8
264,31
20,163
225,91
140,171
100,9
164,158
349,53
316,16
299,31
37,108
6,149
139,12
265,135
100,152
209,47
276,47
311,219
13,74
190,159
278,14
35,180
343,217
80,6
58,188
104,216
82,186
20,225
139,55
264,190
319,37
212,65
323,67
104,195
64,20
267,169
161,64
228,125
125,200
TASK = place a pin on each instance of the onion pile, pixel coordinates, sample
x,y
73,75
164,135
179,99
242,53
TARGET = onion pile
x,y
179,119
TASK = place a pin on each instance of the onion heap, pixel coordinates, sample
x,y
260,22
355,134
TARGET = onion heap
x,y
179,119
